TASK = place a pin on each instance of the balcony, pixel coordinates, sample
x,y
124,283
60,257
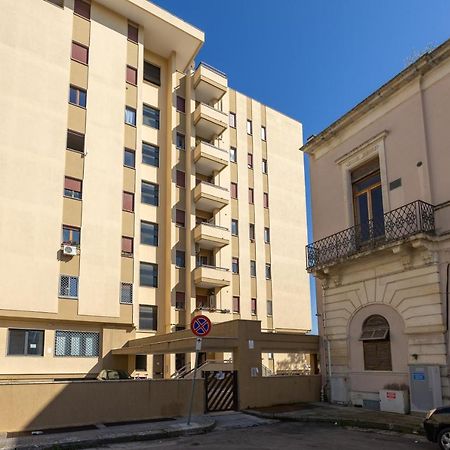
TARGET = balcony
x,y
210,197
209,159
211,277
211,236
209,122
396,225
214,315
210,84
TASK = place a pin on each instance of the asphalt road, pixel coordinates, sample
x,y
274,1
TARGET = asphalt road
x,y
288,436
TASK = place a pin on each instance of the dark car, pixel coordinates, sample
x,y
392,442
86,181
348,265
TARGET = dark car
x,y
113,374
437,426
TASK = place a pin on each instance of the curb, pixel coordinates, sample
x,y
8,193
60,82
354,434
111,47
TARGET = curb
x,y
357,423
116,438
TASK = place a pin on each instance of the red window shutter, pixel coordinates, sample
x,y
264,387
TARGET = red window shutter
x,y
79,53
266,200
82,8
131,75
132,33
180,217
128,201
233,190
127,244
72,184
181,178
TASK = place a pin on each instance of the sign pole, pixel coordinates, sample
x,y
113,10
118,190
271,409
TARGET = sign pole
x,y
198,347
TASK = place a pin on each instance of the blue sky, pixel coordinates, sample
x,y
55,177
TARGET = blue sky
x,y
315,59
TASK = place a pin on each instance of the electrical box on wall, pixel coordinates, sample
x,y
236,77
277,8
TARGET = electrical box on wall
x,y
425,386
339,390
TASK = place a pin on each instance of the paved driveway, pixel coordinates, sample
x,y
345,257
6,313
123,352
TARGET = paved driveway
x,y
286,436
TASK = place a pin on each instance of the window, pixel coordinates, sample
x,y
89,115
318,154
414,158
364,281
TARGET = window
x,y
77,343
236,306
127,246
267,235
181,104
75,141
71,235
376,343
368,200
80,53
126,293
180,300
268,272
25,342
150,154
235,265
253,306
151,117
201,301
140,363
234,227
180,218
148,317
263,133
232,120
233,154
128,201
131,75
149,233
180,258
82,9
72,188
130,116
68,286
249,127
234,190
269,307
253,268
133,33
251,195
181,179
202,260
181,141
77,96
152,73
264,166
129,158
250,160
149,193
59,3
266,200
251,231
148,274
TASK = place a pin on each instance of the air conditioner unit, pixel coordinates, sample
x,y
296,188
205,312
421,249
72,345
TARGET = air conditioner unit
x,y
69,250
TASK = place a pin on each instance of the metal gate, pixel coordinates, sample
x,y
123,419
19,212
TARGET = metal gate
x,y
221,391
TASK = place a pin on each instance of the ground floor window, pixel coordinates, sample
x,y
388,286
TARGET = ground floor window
x,y
141,362
26,342
77,343
376,343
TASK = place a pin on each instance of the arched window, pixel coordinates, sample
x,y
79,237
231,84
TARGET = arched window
x,y
376,343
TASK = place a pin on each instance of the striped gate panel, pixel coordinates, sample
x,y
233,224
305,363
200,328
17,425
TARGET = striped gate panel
x,y
221,391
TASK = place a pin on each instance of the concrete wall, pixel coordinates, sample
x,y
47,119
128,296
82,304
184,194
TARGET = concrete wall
x,y
268,391
35,406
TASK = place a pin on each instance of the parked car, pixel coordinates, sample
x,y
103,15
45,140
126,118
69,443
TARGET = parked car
x,y
113,374
437,426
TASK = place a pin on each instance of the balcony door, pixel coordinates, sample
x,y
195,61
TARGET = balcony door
x,y
368,201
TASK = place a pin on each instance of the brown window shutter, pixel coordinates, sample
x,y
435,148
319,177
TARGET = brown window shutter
x,y
127,244
80,53
181,178
82,8
180,217
128,201
133,33
72,184
131,75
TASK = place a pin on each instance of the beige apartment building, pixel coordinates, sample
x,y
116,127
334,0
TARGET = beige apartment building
x,y
138,190
380,191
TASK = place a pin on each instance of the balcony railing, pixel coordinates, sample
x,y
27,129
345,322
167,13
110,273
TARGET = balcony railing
x,y
396,225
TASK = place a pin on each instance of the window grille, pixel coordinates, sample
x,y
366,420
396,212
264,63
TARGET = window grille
x,y
126,293
77,343
68,286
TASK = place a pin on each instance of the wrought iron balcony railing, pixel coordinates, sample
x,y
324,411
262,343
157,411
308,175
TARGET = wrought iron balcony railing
x,y
398,224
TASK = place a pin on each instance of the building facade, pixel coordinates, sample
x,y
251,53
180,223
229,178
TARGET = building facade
x,y
159,192
380,195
